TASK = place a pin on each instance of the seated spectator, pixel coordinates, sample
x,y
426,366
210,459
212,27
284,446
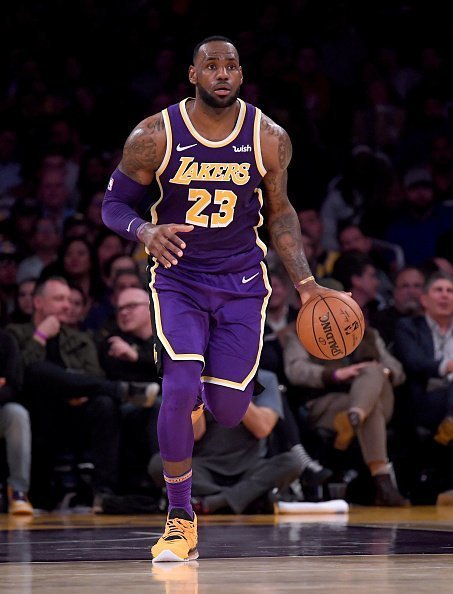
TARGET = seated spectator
x,y
230,470
78,310
129,352
357,274
406,302
353,396
424,344
77,265
107,247
14,427
24,302
423,221
352,239
127,355
101,317
63,380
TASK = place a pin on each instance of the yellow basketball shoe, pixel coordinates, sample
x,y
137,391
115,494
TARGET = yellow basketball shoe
x,y
179,541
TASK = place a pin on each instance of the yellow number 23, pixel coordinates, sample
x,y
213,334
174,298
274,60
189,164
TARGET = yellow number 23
x,y
202,198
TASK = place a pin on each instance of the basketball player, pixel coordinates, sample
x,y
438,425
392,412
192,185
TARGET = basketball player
x,y
208,282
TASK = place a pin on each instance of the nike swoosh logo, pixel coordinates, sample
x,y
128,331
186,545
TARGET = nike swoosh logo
x,y
247,280
129,226
180,148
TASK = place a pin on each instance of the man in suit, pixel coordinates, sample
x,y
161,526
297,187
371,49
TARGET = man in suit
x,y
424,344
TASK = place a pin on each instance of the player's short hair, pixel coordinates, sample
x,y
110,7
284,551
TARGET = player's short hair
x,y
207,40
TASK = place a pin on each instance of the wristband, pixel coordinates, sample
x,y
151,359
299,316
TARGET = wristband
x,y
304,280
139,228
41,335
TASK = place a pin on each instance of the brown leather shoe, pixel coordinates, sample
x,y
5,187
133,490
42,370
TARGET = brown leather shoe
x,y
387,495
444,433
345,431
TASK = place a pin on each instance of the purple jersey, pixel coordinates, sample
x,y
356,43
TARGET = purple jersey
x,y
213,186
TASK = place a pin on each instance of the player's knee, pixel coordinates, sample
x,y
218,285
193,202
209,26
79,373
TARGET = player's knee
x,y
181,387
227,419
227,405
229,410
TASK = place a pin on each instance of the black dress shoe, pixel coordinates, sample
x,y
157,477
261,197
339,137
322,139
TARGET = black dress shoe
x,y
315,478
387,495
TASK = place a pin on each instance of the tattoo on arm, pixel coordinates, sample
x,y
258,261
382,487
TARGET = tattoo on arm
x,y
270,128
283,224
284,150
141,150
284,230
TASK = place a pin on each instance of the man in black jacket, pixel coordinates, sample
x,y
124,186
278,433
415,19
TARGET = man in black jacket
x,y
424,345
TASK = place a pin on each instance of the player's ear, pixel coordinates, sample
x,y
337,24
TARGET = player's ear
x,y
192,75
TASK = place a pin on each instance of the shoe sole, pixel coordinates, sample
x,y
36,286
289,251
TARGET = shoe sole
x,y
168,556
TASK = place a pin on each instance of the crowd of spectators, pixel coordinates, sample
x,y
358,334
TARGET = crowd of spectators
x,y
370,116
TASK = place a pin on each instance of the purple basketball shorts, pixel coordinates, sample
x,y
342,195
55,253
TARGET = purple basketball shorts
x,y
217,319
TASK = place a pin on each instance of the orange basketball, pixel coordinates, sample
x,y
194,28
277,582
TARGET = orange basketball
x,y
330,326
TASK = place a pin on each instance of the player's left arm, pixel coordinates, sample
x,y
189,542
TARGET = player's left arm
x,y
282,221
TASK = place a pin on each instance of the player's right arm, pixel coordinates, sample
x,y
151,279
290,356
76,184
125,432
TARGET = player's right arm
x,y
143,153
282,221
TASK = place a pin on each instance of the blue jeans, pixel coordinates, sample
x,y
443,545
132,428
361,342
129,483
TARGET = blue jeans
x,y
15,429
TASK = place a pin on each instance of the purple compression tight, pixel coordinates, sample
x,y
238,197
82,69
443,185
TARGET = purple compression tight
x,y
180,388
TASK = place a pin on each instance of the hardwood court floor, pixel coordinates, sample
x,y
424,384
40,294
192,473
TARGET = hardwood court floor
x,y
371,549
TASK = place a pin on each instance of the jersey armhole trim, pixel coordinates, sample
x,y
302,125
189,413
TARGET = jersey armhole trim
x,y
257,142
168,148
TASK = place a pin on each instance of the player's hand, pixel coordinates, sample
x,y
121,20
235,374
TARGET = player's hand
x,y
310,289
50,327
162,242
120,349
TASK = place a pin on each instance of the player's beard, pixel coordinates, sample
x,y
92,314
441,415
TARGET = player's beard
x,y
217,102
